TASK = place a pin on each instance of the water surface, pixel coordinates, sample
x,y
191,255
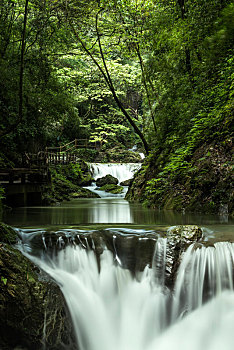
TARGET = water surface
x,y
109,211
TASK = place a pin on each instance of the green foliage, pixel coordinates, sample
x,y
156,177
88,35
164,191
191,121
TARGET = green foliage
x,y
170,67
4,280
115,189
2,191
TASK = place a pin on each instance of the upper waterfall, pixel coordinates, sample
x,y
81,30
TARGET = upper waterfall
x,y
122,171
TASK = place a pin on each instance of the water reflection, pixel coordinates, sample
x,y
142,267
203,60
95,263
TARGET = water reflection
x,y
104,211
110,211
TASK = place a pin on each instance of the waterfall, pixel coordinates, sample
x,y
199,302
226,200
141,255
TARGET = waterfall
x,y
203,274
122,171
112,309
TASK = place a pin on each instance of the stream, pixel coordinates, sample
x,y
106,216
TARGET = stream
x,y
119,298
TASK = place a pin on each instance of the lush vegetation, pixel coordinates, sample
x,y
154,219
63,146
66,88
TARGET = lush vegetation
x,y
156,73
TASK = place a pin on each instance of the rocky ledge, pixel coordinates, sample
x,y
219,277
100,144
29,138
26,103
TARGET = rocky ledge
x,y
33,313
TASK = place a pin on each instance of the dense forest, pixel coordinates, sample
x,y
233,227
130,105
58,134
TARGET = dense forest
x,y
157,74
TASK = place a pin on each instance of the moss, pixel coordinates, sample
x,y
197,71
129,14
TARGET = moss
x,y
202,182
106,180
84,193
7,234
67,180
115,189
24,301
89,155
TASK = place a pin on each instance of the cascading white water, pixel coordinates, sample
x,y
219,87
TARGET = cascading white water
x,y
122,171
203,274
112,310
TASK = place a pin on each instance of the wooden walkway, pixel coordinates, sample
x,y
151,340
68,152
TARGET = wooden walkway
x,y
23,176
23,186
35,166
64,154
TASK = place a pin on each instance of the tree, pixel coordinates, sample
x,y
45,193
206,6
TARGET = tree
x,y
94,45
21,72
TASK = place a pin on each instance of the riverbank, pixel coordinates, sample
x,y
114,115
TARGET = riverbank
x,y
195,180
66,182
33,312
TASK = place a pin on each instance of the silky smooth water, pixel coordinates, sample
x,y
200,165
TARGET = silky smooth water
x,y
112,309
122,171
119,300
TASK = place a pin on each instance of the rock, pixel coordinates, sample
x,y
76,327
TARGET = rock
x,y
203,183
106,180
178,239
84,193
7,234
85,180
33,313
126,182
115,189
185,233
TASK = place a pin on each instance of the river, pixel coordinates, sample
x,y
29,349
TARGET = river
x,y
113,308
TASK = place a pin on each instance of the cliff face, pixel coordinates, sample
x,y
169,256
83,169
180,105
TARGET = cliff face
x,y
202,183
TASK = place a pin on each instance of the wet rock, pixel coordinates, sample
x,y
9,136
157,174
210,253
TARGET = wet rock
x,y
126,182
86,180
135,250
115,189
178,239
33,314
106,180
7,234
84,193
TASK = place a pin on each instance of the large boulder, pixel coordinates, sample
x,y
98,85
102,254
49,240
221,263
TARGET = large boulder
x,y
106,180
115,189
33,313
178,240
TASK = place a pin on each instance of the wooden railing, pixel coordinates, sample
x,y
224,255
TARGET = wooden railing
x,y
61,158
22,176
71,146
35,165
64,154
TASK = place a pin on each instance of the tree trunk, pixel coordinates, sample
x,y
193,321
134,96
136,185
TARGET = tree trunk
x,y
104,71
21,77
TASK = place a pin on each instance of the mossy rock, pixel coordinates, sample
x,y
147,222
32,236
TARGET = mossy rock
x,y
85,180
106,180
84,193
115,189
7,234
179,238
126,182
33,313
185,233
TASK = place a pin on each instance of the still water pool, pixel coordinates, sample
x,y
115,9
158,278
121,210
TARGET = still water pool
x,y
108,211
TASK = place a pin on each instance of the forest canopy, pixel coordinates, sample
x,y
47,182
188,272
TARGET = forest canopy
x,y
155,73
